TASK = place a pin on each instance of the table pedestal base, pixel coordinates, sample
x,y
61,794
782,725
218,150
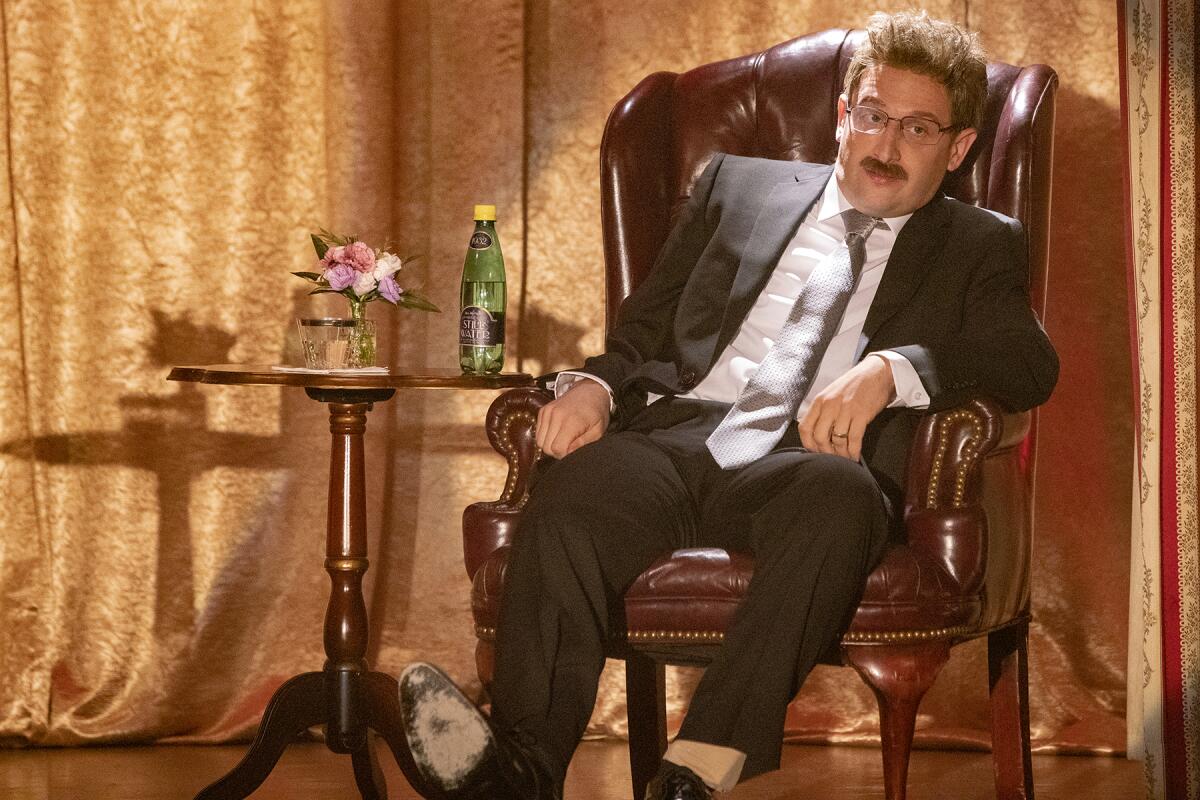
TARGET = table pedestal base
x,y
314,698
346,698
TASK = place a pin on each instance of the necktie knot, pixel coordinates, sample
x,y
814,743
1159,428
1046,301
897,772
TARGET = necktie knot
x,y
859,224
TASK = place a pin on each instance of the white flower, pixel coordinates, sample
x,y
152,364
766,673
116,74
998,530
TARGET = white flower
x,y
386,264
364,284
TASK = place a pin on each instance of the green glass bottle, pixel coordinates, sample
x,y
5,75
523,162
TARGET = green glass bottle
x,y
481,322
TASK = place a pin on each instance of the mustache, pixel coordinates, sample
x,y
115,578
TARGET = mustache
x,y
872,164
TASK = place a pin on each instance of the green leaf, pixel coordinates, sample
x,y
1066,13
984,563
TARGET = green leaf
x,y
308,276
324,290
410,299
318,245
333,238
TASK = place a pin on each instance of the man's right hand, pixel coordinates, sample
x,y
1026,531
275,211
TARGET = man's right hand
x,y
578,417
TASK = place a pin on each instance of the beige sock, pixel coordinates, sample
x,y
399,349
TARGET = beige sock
x,y
719,767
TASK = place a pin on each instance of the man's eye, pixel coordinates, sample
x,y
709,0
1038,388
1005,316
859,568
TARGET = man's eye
x,y
917,129
875,117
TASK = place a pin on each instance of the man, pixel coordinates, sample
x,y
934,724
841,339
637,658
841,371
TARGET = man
x,y
755,395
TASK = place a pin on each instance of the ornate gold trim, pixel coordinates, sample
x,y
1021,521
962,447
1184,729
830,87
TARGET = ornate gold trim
x,y
1180,158
509,450
1142,133
885,637
707,637
346,564
674,636
970,454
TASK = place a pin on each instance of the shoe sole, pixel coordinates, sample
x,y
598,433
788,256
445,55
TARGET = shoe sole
x,y
448,738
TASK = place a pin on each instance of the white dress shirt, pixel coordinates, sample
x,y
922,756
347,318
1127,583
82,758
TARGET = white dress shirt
x,y
819,235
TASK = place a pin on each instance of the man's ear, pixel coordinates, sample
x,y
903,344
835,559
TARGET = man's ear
x,y
959,147
841,116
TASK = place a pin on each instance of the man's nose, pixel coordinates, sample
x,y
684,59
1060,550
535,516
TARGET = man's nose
x,y
887,142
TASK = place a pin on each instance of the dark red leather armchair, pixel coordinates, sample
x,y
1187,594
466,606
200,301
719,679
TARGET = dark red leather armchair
x,y
963,571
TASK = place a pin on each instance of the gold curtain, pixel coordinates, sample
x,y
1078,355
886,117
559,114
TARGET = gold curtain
x,y
160,543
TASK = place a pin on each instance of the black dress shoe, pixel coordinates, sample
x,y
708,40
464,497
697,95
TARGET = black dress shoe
x,y
673,782
458,752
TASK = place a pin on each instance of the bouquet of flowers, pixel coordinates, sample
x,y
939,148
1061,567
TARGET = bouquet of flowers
x,y
360,273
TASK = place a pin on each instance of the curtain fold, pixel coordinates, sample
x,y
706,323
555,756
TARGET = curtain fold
x,y
1158,59
23,611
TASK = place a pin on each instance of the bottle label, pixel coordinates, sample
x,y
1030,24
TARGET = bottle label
x,y
480,240
478,328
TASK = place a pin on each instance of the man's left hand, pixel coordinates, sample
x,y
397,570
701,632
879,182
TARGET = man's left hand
x,y
840,413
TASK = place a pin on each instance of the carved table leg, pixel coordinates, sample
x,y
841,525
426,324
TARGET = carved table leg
x,y
346,562
346,698
367,774
296,706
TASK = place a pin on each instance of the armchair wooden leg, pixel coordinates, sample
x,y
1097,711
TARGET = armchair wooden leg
x,y
1008,676
899,675
646,710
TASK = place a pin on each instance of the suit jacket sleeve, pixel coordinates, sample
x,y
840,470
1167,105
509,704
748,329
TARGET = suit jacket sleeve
x,y
1001,350
645,318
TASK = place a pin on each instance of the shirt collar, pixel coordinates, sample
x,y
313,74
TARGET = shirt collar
x,y
832,203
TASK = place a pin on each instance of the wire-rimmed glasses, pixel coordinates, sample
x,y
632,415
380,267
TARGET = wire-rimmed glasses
x,y
916,130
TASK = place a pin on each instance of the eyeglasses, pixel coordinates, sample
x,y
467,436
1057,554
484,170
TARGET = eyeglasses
x,y
916,130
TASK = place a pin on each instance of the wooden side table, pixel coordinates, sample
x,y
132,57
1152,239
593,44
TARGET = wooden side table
x,y
346,697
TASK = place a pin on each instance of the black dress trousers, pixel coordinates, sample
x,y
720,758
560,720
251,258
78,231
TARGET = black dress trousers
x,y
815,523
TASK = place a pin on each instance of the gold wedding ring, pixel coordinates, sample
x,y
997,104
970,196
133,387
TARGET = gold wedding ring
x,y
840,435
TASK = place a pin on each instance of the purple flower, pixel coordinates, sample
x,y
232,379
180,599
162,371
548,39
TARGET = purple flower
x,y
340,276
389,289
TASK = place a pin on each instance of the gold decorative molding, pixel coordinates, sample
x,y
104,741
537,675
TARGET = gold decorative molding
x,y
346,564
508,448
488,633
896,637
1180,163
970,455
684,637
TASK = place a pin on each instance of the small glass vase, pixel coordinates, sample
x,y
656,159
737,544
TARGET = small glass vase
x,y
362,347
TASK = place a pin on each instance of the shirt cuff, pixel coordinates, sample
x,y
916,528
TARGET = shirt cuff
x,y
567,378
910,392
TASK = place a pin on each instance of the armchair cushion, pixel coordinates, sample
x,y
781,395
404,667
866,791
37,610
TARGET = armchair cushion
x,y
690,596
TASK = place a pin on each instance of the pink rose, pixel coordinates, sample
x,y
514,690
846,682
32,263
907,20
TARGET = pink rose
x,y
334,255
389,289
340,276
360,256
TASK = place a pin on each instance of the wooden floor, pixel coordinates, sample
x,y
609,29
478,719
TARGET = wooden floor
x,y
600,771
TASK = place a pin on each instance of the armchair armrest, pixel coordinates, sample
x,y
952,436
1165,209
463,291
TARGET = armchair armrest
x,y
490,525
944,504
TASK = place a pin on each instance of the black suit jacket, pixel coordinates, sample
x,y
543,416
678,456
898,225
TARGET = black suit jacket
x,y
953,300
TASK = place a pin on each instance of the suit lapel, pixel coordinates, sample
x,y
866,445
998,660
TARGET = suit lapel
x,y
775,226
910,260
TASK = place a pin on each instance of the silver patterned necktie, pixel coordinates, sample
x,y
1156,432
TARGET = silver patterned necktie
x,y
768,402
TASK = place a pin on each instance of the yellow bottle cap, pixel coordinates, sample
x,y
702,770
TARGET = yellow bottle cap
x,y
487,213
